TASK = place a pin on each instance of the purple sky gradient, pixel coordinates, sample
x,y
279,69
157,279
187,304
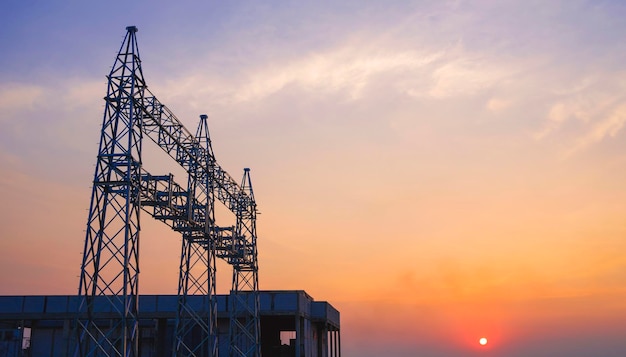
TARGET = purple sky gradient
x,y
439,171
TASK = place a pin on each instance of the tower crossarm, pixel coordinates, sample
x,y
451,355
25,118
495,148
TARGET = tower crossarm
x,y
232,248
166,130
168,202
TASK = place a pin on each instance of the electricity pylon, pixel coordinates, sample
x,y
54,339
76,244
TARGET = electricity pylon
x,y
244,309
110,266
107,320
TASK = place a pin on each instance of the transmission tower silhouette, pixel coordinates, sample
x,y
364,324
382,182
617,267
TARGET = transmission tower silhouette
x,y
107,322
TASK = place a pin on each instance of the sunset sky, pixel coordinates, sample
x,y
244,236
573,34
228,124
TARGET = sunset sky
x,y
438,171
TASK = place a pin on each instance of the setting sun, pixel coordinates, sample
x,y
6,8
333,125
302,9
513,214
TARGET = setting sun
x,y
485,142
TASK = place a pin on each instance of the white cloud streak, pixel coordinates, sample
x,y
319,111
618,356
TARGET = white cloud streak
x,y
595,109
345,69
606,127
464,76
348,71
18,97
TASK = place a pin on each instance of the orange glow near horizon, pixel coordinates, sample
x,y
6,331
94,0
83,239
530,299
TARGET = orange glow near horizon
x,y
438,171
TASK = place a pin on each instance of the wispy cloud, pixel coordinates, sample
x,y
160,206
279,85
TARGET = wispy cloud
x,y
463,76
346,69
593,109
605,127
59,93
498,104
53,113
18,97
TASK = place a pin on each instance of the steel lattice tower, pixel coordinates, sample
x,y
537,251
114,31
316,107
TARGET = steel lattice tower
x,y
197,265
244,299
110,264
107,321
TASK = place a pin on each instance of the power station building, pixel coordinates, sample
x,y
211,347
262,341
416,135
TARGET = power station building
x,y
292,324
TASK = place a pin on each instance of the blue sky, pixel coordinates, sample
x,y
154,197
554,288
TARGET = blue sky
x,y
439,170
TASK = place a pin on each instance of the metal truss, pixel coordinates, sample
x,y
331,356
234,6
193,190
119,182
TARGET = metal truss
x,y
244,297
122,187
197,266
110,263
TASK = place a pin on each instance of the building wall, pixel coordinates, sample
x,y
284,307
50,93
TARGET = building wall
x,y
50,318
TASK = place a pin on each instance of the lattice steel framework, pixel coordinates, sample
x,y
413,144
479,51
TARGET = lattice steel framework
x,y
244,301
122,188
110,263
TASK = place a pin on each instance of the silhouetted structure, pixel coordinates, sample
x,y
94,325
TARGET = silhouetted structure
x,y
122,187
109,317
40,326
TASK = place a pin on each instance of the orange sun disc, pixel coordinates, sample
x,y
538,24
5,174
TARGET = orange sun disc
x,y
482,341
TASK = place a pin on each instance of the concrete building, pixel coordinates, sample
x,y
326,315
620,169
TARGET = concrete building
x,y
292,324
